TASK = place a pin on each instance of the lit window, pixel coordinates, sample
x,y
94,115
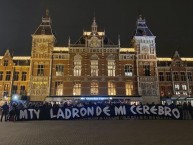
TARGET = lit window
x,y
94,67
59,70
59,88
177,87
111,88
185,93
77,65
184,87
94,88
128,70
77,89
111,67
177,93
129,88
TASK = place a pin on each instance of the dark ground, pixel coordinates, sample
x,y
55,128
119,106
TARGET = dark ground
x,y
94,132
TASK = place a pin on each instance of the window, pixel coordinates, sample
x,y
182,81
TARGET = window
x,y
111,67
6,62
177,87
22,90
40,70
1,75
94,67
184,87
189,76
129,88
161,76
14,89
16,76
77,89
6,87
185,93
128,70
59,70
8,75
177,63
147,70
59,88
24,76
183,76
111,88
77,65
177,93
176,78
94,88
168,76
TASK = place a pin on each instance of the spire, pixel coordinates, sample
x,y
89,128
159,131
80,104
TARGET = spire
x,y
94,26
7,53
142,29
176,54
69,41
46,18
47,13
119,42
45,26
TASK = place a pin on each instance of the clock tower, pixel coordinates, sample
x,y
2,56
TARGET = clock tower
x,y
43,41
146,62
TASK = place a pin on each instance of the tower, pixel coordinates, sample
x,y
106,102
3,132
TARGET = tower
x,y
43,41
146,62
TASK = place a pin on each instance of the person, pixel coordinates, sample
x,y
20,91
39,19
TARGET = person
x,y
13,112
5,111
190,109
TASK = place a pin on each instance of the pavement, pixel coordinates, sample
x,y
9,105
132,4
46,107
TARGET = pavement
x,y
97,132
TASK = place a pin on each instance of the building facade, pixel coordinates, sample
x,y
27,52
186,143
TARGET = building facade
x,y
95,67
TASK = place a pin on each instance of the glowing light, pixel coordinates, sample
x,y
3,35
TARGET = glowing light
x,y
15,97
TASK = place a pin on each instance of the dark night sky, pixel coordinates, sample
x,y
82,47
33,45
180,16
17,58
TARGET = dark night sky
x,y
170,20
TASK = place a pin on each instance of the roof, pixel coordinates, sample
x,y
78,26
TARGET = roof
x,y
142,29
45,27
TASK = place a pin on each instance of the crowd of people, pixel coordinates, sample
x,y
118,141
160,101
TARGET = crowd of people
x,y
10,111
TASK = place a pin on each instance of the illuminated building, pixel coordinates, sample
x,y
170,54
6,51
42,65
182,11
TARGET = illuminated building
x,y
95,67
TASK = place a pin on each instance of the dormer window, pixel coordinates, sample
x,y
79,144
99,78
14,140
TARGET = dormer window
x,y
6,62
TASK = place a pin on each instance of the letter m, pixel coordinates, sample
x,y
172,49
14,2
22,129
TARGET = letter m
x,y
120,111
23,114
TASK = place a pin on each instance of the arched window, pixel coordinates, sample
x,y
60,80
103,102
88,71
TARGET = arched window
x,y
59,88
77,65
129,88
77,88
111,88
94,90
94,65
111,65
